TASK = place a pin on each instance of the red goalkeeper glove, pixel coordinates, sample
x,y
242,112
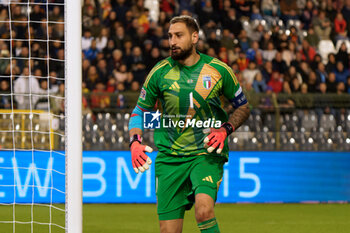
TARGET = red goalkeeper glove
x,y
216,137
139,159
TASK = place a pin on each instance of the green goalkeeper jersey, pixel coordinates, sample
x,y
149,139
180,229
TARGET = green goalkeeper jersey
x,y
189,99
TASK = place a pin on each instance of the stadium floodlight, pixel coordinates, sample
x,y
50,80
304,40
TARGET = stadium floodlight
x,y
40,117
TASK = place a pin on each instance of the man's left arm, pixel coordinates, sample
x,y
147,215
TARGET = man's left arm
x,y
234,93
239,116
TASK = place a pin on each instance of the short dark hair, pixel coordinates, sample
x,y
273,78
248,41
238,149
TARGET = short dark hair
x,y
190,22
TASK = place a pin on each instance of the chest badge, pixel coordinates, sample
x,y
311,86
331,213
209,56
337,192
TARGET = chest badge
x,y
207,82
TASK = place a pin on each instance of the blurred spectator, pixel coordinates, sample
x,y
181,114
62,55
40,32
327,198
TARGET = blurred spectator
x,y
99,96
314,63
304,88
135,86
58,64
244,40
54,82
227,40
340,88
43,101
322,26
4,55
223,55
282,42
308,14
267,71
307,52
249,74
288,54
275,82
242,61
244,7
55,15
270,53
346,12
153,59
96,27
331,83
295,85
264,41
331,65
289,10
137,65
206,12
348,85
102,70
91,53
5,95
108,50
293,35
213,42
304,71
312,38
292,80
231,22
116,61
92,78
340,26
23,87
251,52
341,74
121,8
86,40
312,82
143,20
270,7
279,64
259,84
86,65
121,75
102,39
343,55
321,72
256,13
15,69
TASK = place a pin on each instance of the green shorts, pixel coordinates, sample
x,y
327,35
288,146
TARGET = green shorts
x,y
179,179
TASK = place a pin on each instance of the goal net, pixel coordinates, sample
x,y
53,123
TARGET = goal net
x,y
39,105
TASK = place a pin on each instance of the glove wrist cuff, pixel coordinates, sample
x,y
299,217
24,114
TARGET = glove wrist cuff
x,y
228,127
135,138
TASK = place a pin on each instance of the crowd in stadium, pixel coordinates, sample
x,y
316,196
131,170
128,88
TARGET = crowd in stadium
x,y
272,46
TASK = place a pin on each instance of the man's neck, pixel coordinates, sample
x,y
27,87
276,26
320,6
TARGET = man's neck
x,y
191,60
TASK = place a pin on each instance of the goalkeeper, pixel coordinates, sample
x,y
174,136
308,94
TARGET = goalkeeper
x,y
192,138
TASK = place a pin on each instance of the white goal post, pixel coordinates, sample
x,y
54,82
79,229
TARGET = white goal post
x,y
73,117
40,116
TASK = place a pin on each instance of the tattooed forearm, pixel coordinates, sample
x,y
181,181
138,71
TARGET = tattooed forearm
x,y
239,116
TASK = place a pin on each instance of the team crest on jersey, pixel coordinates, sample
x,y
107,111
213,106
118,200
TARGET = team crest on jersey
x,y
207,82
143,94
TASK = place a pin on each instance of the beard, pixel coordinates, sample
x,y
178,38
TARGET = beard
x,y
182,54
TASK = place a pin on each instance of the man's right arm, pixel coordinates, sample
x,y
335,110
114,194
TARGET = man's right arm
x,y
146,102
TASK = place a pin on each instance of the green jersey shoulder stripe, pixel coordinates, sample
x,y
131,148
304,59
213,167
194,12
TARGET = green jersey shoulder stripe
x,y
155,68
225,66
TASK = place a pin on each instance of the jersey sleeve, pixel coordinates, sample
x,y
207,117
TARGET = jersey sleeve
x,y
149,92
231,88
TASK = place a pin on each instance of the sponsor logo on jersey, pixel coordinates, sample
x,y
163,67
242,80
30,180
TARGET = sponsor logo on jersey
x,y
143,94
151,120
207,82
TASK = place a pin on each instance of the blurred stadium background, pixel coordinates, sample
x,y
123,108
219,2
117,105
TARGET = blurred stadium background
x,y
291,58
